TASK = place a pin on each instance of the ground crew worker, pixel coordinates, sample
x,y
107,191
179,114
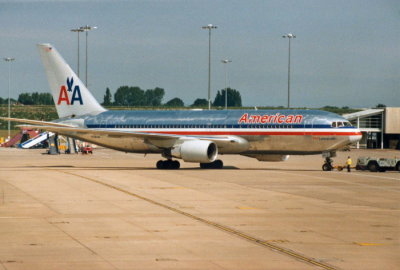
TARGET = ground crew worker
x,y
348,163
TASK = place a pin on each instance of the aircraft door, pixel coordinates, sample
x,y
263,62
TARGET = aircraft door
x,y
308,125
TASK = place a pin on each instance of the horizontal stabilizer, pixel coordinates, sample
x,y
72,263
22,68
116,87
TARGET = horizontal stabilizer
x,y
34,122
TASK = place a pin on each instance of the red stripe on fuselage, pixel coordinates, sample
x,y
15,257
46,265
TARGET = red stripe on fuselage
x,y
243,133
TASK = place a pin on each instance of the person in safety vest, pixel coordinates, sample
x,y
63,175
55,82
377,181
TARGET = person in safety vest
x,y
348,164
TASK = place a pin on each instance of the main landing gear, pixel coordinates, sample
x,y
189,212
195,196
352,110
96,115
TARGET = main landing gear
x,y
168,164
217,164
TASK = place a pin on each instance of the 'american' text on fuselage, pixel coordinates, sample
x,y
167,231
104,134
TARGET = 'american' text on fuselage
x,y
270,119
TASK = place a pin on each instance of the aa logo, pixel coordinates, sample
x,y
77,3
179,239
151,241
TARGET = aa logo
x,y
65,92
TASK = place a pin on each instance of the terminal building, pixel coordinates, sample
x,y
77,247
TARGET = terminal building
x,y
380,127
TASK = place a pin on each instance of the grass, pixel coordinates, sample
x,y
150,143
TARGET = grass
x,y
44,112
4,132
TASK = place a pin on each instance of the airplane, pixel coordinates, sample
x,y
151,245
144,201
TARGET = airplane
x,y
197,136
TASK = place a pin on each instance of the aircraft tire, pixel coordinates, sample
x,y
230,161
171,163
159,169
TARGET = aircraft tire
x,y
205,165
373,167
217,164
168,165
326,167
160,164
175,165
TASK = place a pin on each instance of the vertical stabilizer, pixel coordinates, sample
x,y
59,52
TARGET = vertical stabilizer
x,y
70,95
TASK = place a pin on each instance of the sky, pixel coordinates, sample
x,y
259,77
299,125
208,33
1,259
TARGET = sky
x,y
346,52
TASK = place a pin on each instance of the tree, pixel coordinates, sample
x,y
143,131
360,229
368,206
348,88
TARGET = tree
x,y
35,98
381,105
134,96
25,98
129,96
234,98
200,102
107,98
153,97
121,96
175,102
46,99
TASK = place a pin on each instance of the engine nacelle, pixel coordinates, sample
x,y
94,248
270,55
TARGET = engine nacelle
x,y
270,157
196,151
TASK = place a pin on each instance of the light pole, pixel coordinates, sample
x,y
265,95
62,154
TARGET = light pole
x,y
77,30
209,27
86,29
9,59
289,36
226,61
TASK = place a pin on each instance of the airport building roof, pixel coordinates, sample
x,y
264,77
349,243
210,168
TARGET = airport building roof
x,y
365,113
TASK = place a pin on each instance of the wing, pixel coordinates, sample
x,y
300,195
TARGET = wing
x,y
158,140
68,130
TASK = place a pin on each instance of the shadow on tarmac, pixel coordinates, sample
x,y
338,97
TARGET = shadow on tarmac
x,y
72,167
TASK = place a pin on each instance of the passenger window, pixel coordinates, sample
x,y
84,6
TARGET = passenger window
x,y
334,124
340,124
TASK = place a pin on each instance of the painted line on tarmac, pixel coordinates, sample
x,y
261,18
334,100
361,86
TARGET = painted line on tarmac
x,y
349,182
221,227
375,176
367,244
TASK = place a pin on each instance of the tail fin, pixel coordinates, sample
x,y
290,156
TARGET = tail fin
x,y
70,95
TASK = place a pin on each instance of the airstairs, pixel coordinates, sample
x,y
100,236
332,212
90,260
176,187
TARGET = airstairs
x,y
36,140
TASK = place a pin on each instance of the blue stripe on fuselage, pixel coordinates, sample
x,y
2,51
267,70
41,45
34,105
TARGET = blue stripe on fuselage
x,y
243,126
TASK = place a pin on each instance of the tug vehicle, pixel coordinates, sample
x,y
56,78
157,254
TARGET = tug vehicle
x,y
374,164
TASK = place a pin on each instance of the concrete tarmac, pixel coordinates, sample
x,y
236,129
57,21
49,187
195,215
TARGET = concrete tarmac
x,y
112,210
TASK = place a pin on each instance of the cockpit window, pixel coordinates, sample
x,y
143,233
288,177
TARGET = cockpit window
x,y
341,124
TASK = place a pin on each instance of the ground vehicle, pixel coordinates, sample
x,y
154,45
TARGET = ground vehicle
x,y
87,149
378,164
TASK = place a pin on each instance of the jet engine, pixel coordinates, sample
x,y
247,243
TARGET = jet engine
x,y
196,151
269,157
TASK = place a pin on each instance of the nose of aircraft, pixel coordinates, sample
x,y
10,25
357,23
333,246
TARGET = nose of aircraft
x,y
356,137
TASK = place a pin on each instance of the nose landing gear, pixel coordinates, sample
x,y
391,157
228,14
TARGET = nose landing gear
x,y
327,166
